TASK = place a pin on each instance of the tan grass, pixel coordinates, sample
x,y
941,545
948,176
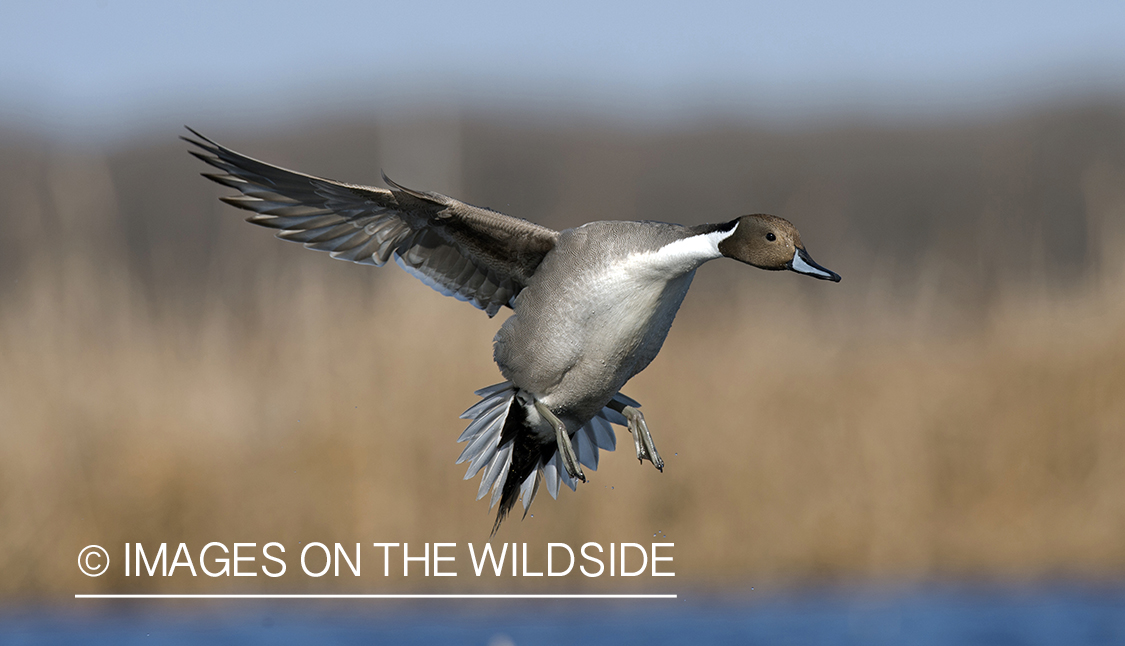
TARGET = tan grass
x,y
793,451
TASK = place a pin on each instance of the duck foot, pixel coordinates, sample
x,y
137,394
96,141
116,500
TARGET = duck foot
x,y
562,438
642,439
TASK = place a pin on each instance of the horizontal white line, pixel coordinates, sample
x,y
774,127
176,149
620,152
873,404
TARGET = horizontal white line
x,y
376,596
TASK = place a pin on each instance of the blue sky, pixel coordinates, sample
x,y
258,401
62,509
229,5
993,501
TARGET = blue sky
x,y
115,64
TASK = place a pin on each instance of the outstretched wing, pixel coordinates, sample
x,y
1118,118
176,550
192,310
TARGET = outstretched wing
x,y
472,254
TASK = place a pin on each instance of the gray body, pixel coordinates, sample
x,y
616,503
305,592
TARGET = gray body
x,y
592,316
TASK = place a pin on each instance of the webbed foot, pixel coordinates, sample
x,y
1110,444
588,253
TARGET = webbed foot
x,y
562,438
642,439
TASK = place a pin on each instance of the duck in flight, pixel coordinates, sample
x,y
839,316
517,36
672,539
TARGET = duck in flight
x,y
591,306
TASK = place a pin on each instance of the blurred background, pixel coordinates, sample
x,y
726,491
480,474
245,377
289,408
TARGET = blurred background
x,y
942,432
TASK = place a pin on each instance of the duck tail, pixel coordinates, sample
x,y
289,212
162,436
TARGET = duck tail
x,y
501,448
523,469
485,452
513,458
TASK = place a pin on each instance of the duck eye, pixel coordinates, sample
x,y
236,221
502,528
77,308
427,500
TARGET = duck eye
x,y
771,237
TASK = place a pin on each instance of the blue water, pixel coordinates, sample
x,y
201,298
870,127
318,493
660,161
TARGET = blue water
x,y
1056,616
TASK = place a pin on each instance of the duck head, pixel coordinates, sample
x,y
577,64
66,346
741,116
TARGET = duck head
x,y
773,243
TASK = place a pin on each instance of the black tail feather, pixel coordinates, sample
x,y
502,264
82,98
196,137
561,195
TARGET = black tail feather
x,y
527,454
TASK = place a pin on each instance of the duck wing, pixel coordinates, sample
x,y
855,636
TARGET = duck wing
x,y
467,252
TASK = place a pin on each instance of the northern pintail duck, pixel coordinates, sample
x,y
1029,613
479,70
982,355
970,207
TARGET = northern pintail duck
x,y
591,306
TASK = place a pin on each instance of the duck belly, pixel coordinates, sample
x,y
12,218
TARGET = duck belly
x,y
574,346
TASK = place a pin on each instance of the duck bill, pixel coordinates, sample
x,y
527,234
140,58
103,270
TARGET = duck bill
x,y
803,263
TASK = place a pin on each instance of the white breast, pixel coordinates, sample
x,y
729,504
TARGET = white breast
x,y
631,303
577,340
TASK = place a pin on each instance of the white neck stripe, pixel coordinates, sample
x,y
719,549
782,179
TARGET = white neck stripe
x,y
683,255
700,248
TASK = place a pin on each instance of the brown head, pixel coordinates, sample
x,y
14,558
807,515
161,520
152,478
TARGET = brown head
x,y
770,242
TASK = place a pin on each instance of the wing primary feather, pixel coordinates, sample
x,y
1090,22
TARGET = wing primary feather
x,y
473,254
